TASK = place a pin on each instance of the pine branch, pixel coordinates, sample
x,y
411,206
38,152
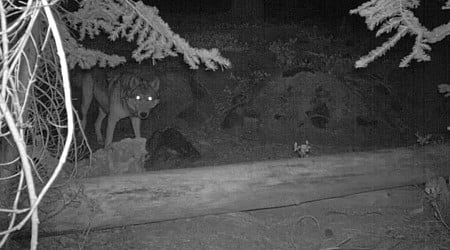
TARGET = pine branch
x,y
365,60
142,24
83,57
397,15
438,33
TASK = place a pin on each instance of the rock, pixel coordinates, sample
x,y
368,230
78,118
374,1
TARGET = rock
x,y
125,156
167,143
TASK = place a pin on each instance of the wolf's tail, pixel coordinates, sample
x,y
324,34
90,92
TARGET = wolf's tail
x,y
76,78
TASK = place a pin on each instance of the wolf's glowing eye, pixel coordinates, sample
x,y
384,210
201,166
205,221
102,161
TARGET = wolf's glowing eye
x,y
149,98
138,97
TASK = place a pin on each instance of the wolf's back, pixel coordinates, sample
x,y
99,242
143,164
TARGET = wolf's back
x,y
78,76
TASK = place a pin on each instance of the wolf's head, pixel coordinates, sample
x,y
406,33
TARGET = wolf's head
x,y
140,95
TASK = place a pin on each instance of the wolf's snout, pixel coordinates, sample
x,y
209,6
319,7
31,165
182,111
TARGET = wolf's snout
x,y
143,115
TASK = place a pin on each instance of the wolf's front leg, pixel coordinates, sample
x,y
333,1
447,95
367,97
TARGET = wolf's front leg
x,y
112,121
136,123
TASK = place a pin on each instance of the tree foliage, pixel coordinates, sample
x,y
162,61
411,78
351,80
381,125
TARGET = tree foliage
x,y
397,15
133,21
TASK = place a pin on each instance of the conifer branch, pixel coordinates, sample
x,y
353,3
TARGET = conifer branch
x,y
135,21
390,15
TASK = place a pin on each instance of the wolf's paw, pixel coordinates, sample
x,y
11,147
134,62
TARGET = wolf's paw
x,y
108,147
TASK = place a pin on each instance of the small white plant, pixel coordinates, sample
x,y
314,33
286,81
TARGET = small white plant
x,y
444,89
303,150
423,140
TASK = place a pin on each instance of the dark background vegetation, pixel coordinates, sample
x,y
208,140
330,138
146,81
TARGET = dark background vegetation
x,y
328,40
290,10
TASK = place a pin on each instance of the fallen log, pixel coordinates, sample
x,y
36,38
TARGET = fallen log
x,y
114,201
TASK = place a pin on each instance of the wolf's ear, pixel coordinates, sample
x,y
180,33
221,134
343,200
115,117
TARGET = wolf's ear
x,y
155,84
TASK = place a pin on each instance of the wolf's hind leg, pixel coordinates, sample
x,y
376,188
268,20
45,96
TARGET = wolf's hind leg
x,y
86,99
98,126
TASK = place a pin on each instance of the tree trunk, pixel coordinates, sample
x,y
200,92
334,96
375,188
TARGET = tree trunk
x,y
113,201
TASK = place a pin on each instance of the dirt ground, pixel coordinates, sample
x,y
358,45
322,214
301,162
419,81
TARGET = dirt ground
x,y
303,88
387,219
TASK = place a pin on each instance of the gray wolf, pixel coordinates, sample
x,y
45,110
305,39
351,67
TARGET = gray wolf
x,y
119,95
